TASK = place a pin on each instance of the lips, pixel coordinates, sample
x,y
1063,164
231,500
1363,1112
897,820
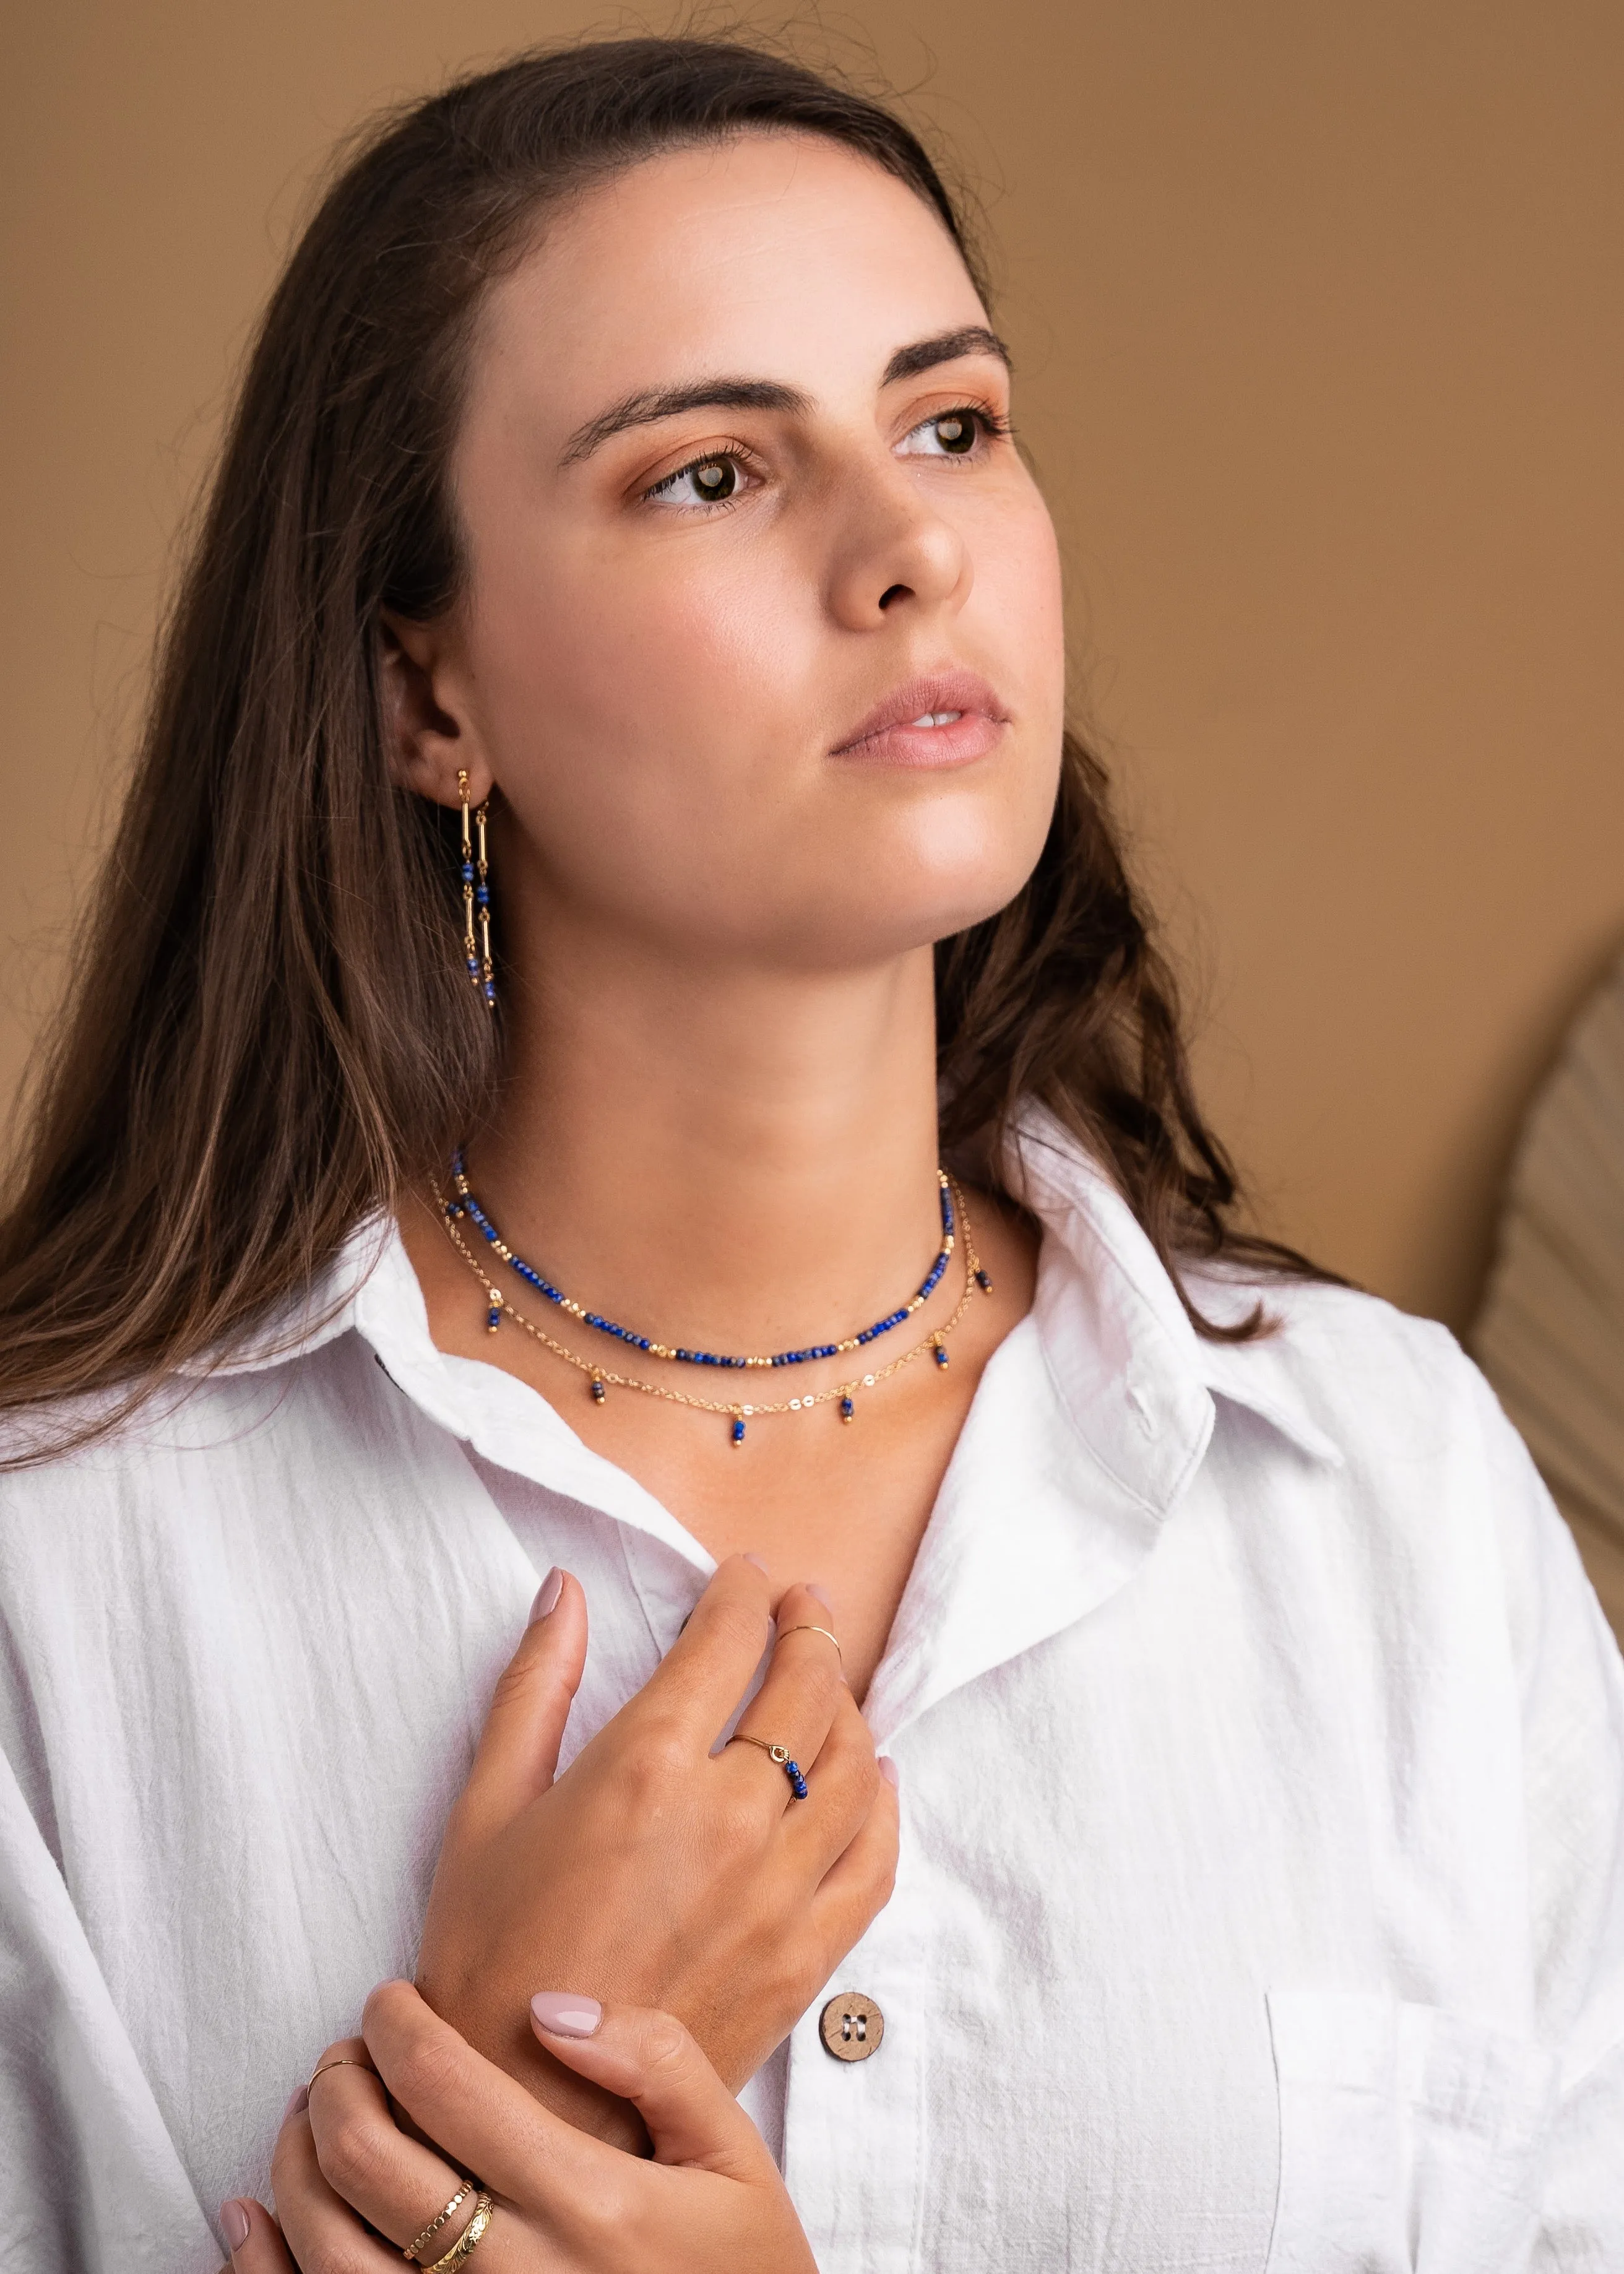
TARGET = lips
x,y
946,718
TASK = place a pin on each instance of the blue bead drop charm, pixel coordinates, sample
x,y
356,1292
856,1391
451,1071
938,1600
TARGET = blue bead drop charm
x,y
598,1392
492,1318
736,1435
847,1409
984,1282
941,1352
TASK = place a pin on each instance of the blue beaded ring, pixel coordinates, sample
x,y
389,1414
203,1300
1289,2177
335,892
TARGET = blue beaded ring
x,y
778,1754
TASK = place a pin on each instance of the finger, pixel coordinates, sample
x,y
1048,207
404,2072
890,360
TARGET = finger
x,y
649,2058
795,1705
845,1782
517,1758
322,2233
475,2112
254,2239
804,1622
397,2184
858,1885
709,1668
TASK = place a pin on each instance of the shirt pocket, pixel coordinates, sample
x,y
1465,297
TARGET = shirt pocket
x,y
1411,2141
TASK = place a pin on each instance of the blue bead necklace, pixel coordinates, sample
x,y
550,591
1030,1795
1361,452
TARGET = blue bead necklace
x,y
463,1206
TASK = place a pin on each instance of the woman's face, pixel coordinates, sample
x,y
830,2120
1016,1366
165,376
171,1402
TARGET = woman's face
x,y
741,503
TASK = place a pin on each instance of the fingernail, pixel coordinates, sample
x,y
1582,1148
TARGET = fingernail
x,y
546,1596
297,2099
566,2015
813,1589
234,2224
755,1560
888,1769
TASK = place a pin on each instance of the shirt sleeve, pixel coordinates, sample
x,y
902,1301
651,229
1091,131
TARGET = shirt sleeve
x,y
1572,1683
90,2181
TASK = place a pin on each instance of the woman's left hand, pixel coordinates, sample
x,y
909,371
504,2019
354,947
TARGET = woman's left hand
x,y
565,2202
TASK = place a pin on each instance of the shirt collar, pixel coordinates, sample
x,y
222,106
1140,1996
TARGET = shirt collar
x,y
1136,1376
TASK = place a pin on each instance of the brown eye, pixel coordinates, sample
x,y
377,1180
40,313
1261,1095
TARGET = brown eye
x,y
956,434
708,481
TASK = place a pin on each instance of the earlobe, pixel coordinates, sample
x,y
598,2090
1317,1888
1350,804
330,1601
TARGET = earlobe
x,y
426,745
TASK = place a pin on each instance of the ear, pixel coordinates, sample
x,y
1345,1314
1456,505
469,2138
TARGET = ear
x,y
426,741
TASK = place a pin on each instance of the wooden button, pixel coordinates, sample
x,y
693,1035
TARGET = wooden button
x,y
851,2026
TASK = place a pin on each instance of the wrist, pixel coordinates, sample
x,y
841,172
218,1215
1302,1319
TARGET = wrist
x,y
506,2038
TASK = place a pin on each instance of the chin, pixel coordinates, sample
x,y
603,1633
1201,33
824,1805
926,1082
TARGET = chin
x,y
875,918
958,876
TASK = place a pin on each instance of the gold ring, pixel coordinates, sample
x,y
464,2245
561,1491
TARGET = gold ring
x,y
778,1755
469,2240
808,1629
344,2061
435,2225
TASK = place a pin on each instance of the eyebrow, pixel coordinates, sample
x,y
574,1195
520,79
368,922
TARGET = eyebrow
x,y
653,404
947,347
657,402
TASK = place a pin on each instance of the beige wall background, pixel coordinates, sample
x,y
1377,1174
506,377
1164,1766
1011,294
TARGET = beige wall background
x,y
1317,319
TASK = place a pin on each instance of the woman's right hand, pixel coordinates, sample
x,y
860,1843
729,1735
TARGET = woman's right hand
x,y
709,2199
653,1872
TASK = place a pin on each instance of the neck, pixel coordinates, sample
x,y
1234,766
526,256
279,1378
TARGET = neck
x,y
737,1159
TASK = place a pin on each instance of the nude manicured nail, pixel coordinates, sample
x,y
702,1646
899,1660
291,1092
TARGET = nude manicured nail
x,y
547,1595
297,2099
755,1560
888,1769
234,2225
566,2013
813,1589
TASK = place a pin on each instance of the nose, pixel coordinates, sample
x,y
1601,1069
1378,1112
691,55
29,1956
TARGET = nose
x,y
894,553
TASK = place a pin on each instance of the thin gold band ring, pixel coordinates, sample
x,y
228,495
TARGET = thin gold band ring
x,y
344,2061
811,1629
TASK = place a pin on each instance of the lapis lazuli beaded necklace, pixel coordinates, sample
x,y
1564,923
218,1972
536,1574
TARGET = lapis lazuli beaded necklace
x,y
467,1205
463,1206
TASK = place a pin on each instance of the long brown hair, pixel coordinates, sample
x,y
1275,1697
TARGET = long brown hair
x,y
271,1034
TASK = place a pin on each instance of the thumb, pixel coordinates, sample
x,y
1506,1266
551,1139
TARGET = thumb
x,y
254,2239
517,1756
649,2059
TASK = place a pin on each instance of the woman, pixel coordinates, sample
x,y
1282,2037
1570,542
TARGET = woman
x,y
609,897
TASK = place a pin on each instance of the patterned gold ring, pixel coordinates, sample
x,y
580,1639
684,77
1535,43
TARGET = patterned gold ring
x,y
435,2225
469,2240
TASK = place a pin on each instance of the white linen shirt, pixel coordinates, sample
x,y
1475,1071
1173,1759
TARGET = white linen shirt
x,y
1261,1895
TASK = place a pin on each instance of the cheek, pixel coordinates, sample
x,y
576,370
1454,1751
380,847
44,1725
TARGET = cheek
x,y
613,689
641,724
1017,588
654,724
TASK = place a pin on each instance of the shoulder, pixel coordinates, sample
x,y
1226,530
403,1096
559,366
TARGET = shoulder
x,y
80,1474
1377,1384
1429,1478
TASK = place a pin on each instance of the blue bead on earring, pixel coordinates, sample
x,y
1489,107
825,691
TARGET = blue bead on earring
x,y
476,896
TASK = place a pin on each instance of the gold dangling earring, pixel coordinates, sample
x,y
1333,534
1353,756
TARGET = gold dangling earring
x,y
476,896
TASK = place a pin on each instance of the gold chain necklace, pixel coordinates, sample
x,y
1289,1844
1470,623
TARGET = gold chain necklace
x,y
602,1379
